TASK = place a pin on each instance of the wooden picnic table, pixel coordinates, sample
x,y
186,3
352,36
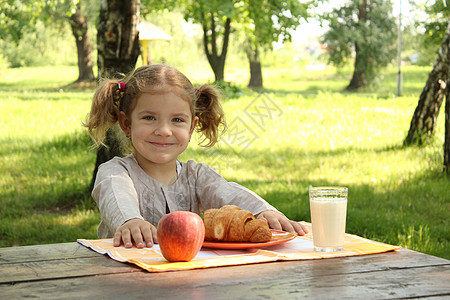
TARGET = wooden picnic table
x,y
72,271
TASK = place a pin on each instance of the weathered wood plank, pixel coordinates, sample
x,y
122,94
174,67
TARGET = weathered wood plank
x,y
91,263
63,268
43,252
287,279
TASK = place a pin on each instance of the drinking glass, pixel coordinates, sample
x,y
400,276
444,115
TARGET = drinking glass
x,y
328,217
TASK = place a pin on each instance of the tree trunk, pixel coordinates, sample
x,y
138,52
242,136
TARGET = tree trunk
x,y
425,116
113,139
218,67
447,134
359,77
118,51
216,60
78,23
117,36
256,79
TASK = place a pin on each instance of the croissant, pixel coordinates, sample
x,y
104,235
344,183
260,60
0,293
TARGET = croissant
x,y
232,224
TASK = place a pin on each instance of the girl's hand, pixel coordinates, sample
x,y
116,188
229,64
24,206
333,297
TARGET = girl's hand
x,y
279,221
141,232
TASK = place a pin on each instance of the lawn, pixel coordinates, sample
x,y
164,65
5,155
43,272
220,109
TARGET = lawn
x,y
302,131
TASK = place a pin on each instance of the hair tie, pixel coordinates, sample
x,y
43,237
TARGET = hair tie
x,y
121,86
119,92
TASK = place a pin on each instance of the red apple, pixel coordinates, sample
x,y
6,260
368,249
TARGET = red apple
x,y
180,235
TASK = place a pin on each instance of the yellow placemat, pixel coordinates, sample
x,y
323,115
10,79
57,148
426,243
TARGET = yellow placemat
x,y
300,248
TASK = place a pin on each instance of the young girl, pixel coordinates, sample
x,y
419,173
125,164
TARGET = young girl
x,y
158,109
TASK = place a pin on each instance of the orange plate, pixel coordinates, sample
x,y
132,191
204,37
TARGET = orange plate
x,y
278,237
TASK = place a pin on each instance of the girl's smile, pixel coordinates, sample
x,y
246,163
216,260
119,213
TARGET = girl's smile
x,y
161,144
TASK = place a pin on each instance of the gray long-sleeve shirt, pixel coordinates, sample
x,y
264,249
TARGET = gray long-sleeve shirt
x,y
123,191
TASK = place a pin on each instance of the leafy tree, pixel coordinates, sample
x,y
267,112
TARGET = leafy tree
x,y
18,17
436,23
425,116
367,28
215,18
432,29
264,22
436,88
426,113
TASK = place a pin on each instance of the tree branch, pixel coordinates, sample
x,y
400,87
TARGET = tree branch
x,y
205,36
226,38
213,36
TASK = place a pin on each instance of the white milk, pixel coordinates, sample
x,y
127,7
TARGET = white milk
x,y
328,217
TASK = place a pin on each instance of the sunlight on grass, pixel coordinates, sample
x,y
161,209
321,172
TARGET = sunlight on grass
x,y
44,227
419,238
39,78
38,117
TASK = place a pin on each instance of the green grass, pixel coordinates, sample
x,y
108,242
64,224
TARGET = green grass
x,y
317,135
45,163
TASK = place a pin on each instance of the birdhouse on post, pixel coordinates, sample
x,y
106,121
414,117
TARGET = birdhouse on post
x,y
149,32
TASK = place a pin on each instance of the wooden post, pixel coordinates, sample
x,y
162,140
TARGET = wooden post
x,y
447,133
144,45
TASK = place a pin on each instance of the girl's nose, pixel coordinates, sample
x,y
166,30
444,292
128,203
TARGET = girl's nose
x,y
163,129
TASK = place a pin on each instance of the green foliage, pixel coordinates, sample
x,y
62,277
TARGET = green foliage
x,y
264,22
17,16
228,89
432,29
42,45
437,22
259,23
414,51
36,33
372,35
198,12
4,63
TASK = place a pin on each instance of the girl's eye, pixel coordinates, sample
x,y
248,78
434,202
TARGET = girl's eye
x,y
178,120
149,118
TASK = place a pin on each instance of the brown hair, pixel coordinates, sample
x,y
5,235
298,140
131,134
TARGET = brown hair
x,y
108,100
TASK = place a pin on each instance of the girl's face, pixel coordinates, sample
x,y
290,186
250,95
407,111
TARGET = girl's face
x,y
160,127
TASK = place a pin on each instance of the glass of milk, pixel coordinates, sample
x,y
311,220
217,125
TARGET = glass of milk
x,y
328,215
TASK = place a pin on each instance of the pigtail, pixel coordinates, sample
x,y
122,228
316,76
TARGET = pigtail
x,y
210,113
104,110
